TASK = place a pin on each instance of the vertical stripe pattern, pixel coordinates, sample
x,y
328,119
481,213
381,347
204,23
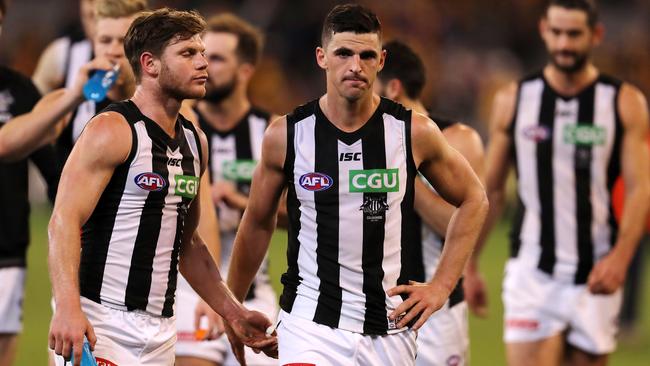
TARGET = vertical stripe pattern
x,y
567,151
346,204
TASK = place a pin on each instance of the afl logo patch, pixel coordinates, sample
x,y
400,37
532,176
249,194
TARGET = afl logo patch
x,y
537,133
315,182
149,181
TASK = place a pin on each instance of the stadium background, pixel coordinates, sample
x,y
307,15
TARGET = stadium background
x,y
470,48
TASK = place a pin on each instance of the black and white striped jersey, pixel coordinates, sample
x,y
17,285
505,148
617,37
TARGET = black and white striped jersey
x,y
78,52
566,152
233,155
351,218
131,242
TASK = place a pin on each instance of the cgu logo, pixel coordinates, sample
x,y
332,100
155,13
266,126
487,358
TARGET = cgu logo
x,y
149,181
374,180
186,186
315,182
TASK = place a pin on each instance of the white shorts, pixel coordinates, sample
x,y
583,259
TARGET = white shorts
x,y
12,290
538,307
303,342
218,350
127,338
444,339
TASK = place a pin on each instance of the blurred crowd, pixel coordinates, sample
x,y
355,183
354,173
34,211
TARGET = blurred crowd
x,y
470,47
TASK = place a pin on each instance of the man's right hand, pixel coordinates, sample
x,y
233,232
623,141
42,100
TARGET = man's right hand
x,y
250,330
67,332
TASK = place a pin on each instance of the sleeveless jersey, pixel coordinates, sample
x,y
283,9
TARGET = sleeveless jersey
x,y
131,242
566,152
351,218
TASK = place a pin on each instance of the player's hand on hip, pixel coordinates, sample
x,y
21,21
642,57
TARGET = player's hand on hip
x,y
67,331
215,321
475,292
423,299
608,275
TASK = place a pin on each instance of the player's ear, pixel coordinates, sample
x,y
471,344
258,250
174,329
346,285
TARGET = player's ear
x,y
150,65
394,89
321,58
382,59
246,71
542,26
598,34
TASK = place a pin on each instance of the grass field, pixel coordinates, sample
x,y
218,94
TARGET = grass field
x,y
486,345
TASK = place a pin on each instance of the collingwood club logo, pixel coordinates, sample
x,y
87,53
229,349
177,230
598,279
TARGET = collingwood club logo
x,y
374,208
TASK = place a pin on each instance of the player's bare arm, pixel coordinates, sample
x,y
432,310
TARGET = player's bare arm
x,y
259,220
105,144
26,133
608,274
443,167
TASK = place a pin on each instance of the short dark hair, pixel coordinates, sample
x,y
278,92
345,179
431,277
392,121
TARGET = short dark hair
x,y
403,64
349,18
3,8
588,6
249,39
154,30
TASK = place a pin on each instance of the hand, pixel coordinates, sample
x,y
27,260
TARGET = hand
x,y
98,63
215,321
608,275
250,329
67,331
218,192
475,291
423,299
226,191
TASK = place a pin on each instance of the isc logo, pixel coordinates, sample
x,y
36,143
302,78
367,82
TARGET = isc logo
x,y
149,181
315,181
350,156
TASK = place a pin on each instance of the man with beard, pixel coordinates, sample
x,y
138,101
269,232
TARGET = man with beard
x,y
234,130
568,130
131,186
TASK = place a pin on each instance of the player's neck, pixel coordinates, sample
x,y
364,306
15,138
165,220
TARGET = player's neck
x,y
570,83
348,116
225,115
413,104
158,106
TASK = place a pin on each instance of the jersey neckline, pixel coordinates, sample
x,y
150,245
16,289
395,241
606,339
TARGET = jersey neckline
x,y
172,142
566,97
350,138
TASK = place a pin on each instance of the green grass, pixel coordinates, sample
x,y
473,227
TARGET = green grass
x,y
486,345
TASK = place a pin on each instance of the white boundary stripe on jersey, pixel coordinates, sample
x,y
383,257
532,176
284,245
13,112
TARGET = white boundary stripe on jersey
x,y
395,147
165,245
528,113
256,129
191,140
350,230
127,218
305,150
564,190
605,117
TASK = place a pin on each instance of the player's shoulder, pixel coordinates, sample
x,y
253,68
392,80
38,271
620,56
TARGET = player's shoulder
x,y
108,134
301,113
